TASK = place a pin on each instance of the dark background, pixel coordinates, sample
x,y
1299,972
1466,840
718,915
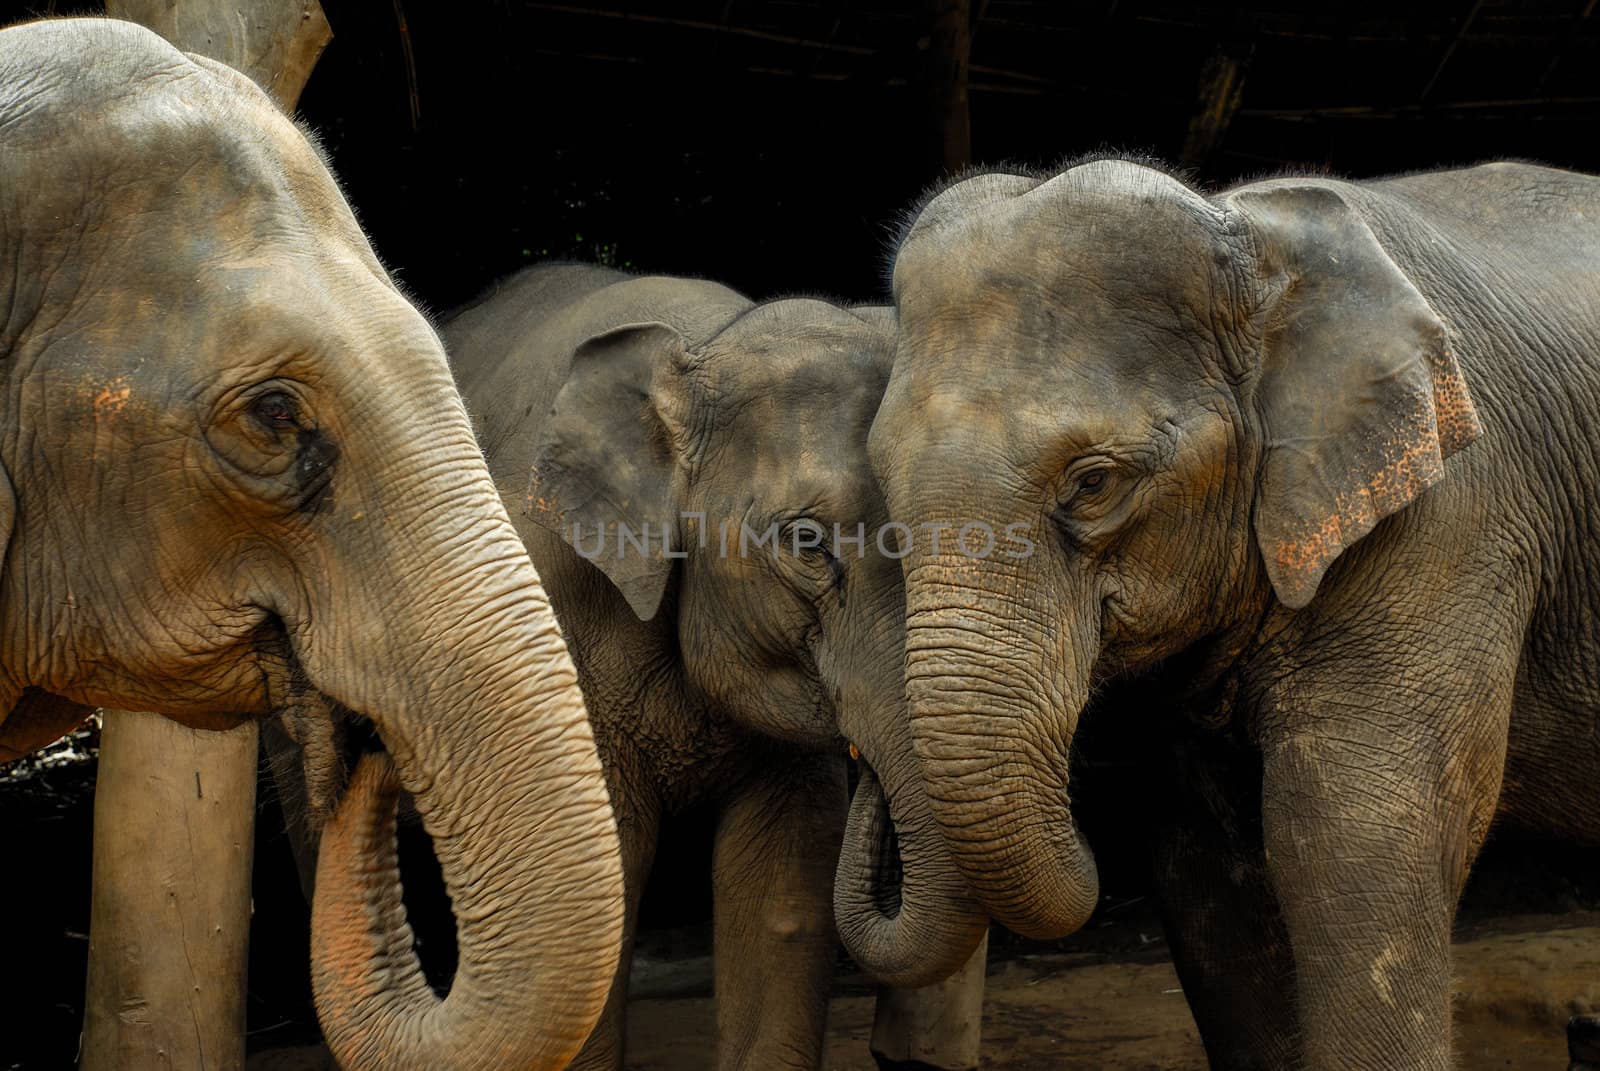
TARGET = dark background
x,y
773,145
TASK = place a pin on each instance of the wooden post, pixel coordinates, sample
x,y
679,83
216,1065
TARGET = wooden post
x,y
174,826
939,1026
276,42
946,60
174,821
1220,94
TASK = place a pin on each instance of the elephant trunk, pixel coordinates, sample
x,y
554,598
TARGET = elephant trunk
x,y
903,910
476,699
992,732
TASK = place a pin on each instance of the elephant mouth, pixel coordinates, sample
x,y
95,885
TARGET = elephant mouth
x,y
328,741
329,737
311,780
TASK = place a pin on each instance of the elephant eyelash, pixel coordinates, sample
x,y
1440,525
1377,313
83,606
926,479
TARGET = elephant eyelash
x,y
835,566
1091,483
1098,484
276,410
1084,517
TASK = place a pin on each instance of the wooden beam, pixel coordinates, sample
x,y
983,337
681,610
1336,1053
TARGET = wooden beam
x,y
276,42
944,72
1220,94
410,56
1450,50
1519,106
1563,44
697,24
174,828
169,928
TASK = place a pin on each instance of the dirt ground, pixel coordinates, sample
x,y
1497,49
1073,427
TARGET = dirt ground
x,y
1527,957
1518,979
1516,985
1517,982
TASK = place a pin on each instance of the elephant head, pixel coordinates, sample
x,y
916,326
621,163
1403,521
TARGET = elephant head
x,y
1179,406
236,474
725,483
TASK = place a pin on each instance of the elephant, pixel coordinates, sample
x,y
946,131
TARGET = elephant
x,y
238,481
1305,478
613,406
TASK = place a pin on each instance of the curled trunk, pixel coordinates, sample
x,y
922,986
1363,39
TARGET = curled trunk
x,y
903,910
992,734
485,727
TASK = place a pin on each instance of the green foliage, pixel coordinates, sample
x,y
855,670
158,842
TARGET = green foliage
x,y
588,251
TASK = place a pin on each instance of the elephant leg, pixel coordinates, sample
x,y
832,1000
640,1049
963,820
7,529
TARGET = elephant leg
x,y
638,828
1379,786
777,844
1222,920
937,1027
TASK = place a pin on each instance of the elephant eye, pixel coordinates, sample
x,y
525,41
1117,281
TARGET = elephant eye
x,y
1088,492
814,545
276,409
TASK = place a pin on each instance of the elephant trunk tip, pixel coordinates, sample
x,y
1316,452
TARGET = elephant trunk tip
x,y
358,918
1011,833
903,912
377,1009
1043,900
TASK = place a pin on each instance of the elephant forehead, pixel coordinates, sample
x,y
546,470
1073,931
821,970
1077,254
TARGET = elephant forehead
x,y
164,159
812,384
271,311
1093,279
760,490
812,426
1021,412
1018,347
799,445
212,188
776,444
214,251
1104,236
772,382
803,340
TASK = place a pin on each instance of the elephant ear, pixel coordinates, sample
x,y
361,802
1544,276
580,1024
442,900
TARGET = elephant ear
x,y
1362,398
603,468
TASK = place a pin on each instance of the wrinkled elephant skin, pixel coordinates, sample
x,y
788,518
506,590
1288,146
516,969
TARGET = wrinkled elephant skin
x,y
1309,472
236,479
729,673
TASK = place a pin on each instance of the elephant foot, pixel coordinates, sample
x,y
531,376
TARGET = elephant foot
x,y
1583,1043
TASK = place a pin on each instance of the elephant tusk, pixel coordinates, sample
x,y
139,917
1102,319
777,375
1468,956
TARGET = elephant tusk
x,y
855,753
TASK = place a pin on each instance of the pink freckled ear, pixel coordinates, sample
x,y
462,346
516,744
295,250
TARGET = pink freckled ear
x,y
1362,397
